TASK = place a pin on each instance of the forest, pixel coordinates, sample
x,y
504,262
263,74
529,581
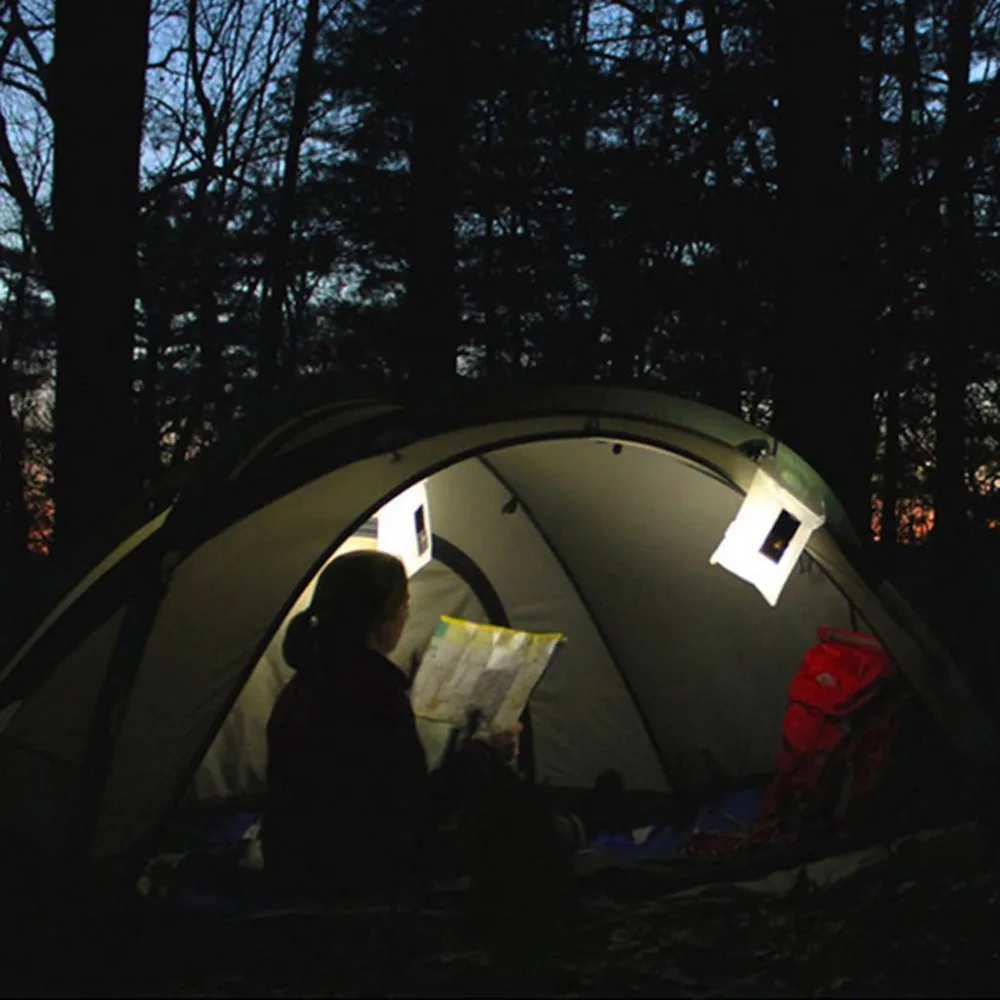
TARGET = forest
x,y
787,210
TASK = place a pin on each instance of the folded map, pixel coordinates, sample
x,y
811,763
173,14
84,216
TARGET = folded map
x,y
469,667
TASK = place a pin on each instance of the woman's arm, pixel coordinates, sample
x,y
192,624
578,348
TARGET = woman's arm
x,y
471,767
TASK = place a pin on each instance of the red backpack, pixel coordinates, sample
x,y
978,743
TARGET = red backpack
x,y
840,725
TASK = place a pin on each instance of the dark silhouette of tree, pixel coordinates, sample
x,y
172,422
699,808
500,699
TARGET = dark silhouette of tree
x,y
97,105
275,292
15,517
952,333
439,56
822,389
724,377
901,242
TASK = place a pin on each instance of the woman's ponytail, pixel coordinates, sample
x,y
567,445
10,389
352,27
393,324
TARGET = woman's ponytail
x,y
301,645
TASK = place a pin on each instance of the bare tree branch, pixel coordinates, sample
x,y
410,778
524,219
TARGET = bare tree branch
x,y
658,28
5,48
197,75
20,32
167,58
25,88
21,194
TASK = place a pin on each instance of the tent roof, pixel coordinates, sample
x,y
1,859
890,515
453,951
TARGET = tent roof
x,y
298,437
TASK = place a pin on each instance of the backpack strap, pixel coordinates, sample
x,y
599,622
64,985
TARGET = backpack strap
x,y
848,638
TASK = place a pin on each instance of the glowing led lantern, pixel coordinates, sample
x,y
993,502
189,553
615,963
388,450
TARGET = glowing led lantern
x,y
404,528
767,536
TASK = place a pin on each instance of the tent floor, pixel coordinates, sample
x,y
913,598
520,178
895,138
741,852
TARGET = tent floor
x,y
624,876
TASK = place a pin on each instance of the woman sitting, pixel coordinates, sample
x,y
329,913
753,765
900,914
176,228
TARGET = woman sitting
x,y
351,804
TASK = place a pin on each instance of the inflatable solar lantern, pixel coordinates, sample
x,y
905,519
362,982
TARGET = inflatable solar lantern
x,y
764,541
404,528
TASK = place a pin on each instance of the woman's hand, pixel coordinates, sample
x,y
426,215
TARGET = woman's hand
x,y
505,742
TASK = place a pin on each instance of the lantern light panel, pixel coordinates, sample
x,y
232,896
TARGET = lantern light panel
x,y
764,541
404,528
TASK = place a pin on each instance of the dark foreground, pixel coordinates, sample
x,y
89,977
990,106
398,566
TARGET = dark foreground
x,y
883,932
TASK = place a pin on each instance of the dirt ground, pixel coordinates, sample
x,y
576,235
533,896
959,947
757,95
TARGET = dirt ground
x,y
935,933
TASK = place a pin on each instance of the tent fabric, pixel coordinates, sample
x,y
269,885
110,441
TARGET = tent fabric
x,y
709,668
584,719
44,739
675,671
113,559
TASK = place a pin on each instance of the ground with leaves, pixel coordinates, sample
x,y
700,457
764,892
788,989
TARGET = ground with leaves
x,y
934,934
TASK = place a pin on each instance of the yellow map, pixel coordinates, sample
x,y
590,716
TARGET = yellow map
x,y
486,668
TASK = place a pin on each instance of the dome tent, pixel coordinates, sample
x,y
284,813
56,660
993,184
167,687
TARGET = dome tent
x,y
592,511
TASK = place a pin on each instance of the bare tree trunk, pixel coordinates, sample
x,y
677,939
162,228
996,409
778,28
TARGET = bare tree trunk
x,y
822,399
148,416
15,520
432,332
630,302
902,312
98,104
492,360
952,333
725,377
861,306
579,349
517,299
297,320
276,285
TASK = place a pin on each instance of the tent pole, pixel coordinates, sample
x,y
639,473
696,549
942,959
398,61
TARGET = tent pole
x,y
112,704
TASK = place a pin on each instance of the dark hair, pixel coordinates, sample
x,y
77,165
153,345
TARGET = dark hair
x,y
355,594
